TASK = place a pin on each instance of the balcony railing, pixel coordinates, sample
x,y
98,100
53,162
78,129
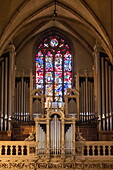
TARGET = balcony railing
x,y
97,148
29,148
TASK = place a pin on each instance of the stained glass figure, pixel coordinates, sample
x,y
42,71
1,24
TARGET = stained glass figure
x,y
54,68
49,89
58,62
48,77
58,77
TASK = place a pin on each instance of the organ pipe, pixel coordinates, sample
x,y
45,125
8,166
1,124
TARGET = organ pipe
x,y
110,95
2,97
103,93
6,94
107,92
55,135
89,97
98,76
111,116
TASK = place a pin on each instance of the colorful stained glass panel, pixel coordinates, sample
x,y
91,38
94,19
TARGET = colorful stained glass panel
x,y
39,77
58,77
54,42
58,62
58,98
48,77
67,77
67,62
54,67
49,89
49,64
67,85
58,89
39,86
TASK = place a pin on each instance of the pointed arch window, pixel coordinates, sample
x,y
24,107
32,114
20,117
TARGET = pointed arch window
x,y
54,67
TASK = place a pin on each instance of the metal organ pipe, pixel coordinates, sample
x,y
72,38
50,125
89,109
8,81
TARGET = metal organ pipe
x,y
6,95
98,74
110,95
2,97
107,93
89,97
103,93
69,140
22,97
55,135
111,116
84,101
86,98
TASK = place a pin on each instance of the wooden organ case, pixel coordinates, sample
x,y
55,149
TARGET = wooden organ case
x,y
55,130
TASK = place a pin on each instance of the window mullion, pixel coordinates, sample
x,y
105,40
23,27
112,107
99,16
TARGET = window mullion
x,y
53,76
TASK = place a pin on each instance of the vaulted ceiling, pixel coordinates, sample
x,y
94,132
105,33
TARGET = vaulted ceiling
x,y
89,21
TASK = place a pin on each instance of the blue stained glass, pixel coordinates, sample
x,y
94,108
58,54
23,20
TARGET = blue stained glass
x,y
49,64
67,62
39,61
58,62
67,85
58,77
58,89
39,65
39,86
48,77
54,68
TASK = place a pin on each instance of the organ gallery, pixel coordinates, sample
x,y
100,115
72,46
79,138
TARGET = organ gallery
x,y
56,85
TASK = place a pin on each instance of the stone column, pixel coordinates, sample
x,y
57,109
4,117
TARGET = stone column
x,y
77,83
97,85
103,92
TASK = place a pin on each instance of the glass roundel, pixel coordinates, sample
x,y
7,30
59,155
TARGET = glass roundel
x,y
53,68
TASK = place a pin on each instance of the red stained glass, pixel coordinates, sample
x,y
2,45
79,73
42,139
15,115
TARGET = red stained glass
x,y
54,67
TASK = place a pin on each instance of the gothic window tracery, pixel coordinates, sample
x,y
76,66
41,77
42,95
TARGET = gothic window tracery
x,y
54,67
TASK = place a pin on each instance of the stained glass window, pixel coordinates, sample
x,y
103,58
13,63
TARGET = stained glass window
x,y
54,67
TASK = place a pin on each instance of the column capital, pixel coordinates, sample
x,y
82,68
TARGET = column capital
x,y
98,48
10,48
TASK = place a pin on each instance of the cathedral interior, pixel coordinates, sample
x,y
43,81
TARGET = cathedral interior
x,y
56,84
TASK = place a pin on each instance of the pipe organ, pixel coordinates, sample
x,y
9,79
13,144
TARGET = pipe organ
x,y
6,88
87,112
104,79
68,138
55,135
41,138
21,109
91,101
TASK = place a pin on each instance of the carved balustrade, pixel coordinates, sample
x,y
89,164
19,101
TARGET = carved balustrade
x,y
96,148
16,148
